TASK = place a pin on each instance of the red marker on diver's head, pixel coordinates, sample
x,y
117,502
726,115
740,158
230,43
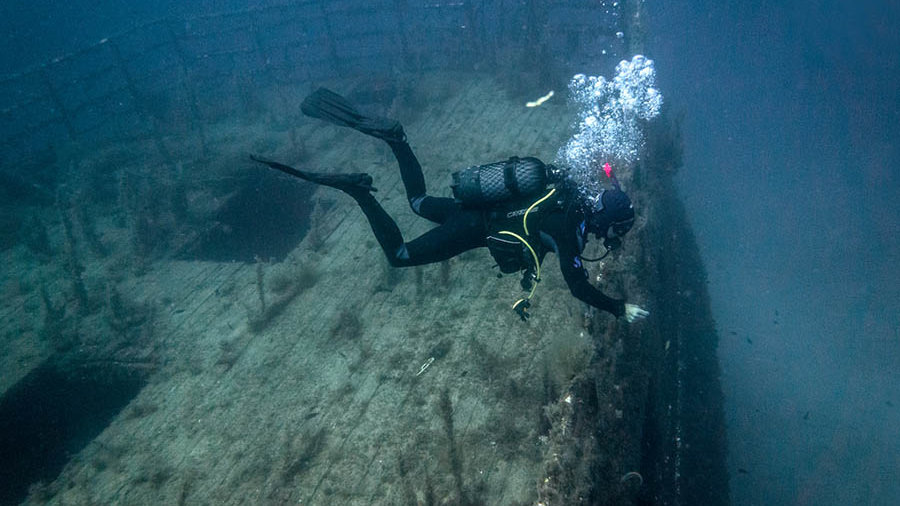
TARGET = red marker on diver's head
x,y
608,169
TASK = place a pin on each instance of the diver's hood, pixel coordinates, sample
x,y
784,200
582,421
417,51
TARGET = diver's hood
x,y
611,215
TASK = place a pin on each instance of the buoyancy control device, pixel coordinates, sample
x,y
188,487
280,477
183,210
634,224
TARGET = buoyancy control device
x,y
508,192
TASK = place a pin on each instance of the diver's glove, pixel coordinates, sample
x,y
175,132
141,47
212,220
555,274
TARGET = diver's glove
x,y
633,312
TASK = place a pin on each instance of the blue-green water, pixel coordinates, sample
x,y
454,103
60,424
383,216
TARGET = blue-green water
x,y
790,181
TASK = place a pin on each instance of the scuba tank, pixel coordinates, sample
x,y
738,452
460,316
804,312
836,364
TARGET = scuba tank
x,y
485,185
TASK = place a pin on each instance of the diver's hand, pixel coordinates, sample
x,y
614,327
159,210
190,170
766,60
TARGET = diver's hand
x,y
633,312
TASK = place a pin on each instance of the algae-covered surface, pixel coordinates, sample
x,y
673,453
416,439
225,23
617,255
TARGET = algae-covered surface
x,y
315,374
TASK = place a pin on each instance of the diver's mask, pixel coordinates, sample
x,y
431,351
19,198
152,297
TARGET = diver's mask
x,y
614,233
610,218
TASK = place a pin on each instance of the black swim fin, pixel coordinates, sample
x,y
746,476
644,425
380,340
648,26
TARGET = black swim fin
x,y
329,106
352,183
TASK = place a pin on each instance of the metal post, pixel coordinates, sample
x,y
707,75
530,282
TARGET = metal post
x,y
257,42
332,49
400,8
139,105
197,121
475,36
70,128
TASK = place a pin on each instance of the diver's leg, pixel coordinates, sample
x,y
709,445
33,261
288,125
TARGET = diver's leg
x,y
329,106
410,170
386,231
464,230
436,209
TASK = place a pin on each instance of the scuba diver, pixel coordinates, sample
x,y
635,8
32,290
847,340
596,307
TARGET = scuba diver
x,y
506,207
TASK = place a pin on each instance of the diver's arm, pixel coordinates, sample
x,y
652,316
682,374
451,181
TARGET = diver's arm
x,y
562,231
577,278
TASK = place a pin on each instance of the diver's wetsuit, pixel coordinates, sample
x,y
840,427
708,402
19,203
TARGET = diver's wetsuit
x,y
461,229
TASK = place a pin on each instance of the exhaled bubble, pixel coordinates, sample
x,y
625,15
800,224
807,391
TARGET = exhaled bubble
x,y
608,128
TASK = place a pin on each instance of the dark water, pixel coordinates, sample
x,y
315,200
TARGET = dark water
x,y
791,179
37,31
264,220
50,416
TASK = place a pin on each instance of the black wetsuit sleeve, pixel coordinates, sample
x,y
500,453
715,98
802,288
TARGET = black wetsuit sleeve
x,y
577,277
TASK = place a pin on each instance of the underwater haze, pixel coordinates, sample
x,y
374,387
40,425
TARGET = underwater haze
x,y
179,325
41,30
792,183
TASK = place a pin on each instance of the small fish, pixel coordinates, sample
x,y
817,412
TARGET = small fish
x,y
889,404
733,333
741,470
806,416
749,341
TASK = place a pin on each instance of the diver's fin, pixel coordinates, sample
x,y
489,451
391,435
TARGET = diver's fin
x,y
350,183
329,106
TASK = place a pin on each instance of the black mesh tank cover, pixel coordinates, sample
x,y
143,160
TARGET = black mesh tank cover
x,y
484,185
